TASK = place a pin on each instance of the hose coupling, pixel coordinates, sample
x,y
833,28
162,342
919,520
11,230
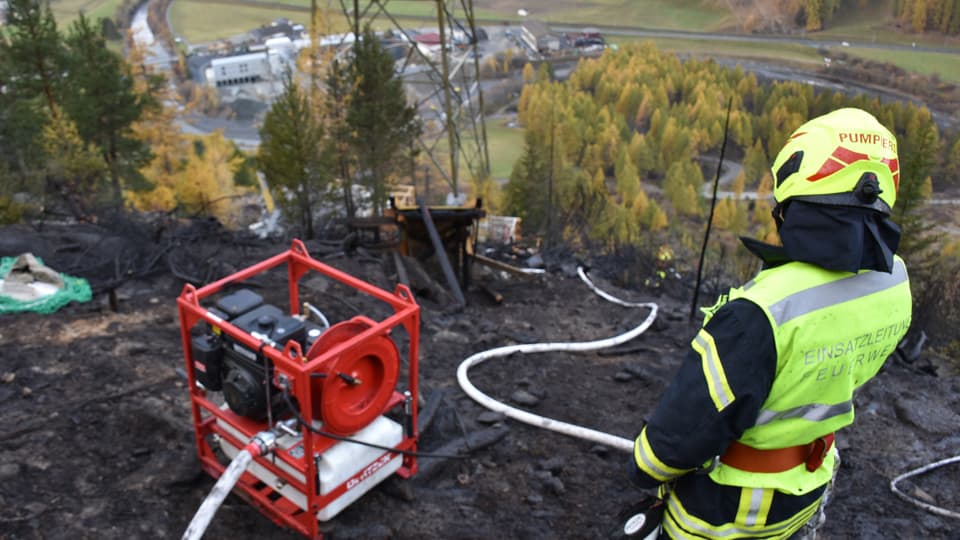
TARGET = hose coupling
x,y
266,442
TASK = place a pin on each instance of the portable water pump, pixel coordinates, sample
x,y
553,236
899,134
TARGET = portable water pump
x,y
343,418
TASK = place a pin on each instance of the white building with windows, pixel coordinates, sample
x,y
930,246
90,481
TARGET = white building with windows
x,y
249,68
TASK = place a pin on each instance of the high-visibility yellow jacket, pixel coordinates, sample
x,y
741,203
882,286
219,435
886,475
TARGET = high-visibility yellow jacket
x,y
775,365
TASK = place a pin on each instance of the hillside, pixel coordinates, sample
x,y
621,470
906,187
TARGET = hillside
x,y
97,440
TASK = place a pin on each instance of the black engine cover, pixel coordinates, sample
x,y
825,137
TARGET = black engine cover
x,y
245,380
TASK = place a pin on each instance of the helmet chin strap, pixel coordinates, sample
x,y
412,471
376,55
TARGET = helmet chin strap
x,y
779,213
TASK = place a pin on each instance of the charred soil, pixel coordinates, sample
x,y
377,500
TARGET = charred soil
x,y
96,438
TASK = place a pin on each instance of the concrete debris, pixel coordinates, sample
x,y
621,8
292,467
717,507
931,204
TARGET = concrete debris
x,y
535,261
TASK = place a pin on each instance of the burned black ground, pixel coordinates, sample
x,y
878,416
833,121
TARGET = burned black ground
x,y
96,441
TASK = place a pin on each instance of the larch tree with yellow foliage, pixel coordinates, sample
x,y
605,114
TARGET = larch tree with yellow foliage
x,y
206,187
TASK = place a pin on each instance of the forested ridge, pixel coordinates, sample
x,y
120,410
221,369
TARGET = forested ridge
x,y
812,15
641,117
614,160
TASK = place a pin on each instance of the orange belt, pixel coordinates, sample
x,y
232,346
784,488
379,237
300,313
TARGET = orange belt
x,y
750,459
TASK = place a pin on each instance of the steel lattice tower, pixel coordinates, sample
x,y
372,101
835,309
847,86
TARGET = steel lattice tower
x,y
447,86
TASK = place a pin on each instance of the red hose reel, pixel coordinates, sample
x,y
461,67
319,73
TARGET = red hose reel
x,y
347,420
346,405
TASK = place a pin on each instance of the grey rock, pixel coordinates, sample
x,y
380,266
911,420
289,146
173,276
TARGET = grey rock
x,y
554,485
534,498
623,376
372,532
491,417
635,369
569,270
948,443
9,470
600,450
554,464
933,523
35,508
399,489
451,337
928,415
674,316
522,397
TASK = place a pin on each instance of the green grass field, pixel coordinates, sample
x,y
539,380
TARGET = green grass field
x,y
221,21
797,54
65,11
505,146
947,66
664,14
225,19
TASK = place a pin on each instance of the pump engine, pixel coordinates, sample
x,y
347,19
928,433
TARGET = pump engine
x,y
344,420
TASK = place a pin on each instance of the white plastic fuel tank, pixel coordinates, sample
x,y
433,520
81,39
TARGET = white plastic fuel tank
x,y
362,467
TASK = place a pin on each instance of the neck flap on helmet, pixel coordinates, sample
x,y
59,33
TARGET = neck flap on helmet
x,y
842,238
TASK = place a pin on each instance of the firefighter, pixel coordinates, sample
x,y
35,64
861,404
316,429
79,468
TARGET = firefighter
x,y
742,441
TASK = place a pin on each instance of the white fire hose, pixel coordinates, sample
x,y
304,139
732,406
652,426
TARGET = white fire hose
x,y
572,430
264,442
926,506
261,444
606,438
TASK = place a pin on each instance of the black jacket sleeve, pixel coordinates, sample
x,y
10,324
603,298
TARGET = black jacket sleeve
x,y
717,394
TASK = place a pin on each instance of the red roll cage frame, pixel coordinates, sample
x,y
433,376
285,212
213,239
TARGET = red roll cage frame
x,y
290,362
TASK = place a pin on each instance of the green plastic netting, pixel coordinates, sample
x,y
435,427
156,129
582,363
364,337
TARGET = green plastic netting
x,y
74,289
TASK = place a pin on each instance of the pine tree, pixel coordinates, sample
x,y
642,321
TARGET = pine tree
x,y
291,153
34,52
31,65
384,124
524,192
339,91
104,105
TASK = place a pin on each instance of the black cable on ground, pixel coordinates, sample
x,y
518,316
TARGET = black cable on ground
x,y
320,432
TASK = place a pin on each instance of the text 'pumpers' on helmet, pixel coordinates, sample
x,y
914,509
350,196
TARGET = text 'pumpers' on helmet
x,y
843,158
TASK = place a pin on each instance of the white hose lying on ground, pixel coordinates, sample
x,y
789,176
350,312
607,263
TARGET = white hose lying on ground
x,y
921,504
198,525
572,430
